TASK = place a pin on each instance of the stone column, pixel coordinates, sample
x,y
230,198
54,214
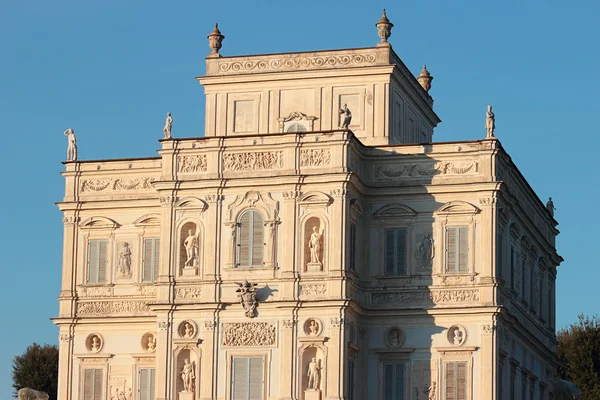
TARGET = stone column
x,y
208,370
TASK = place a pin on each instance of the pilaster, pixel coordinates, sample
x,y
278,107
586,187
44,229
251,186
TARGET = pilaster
x,y
335,360
164,357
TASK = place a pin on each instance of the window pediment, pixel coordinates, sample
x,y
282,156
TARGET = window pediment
x,y
458,207
254,199
148,220
316,198
395,210
192,203
99,222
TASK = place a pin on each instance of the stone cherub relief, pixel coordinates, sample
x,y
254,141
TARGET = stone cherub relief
x,y
425,253
347,117
71,144
168,125
125,261
314,374
247,294
191,249
121,394
188,376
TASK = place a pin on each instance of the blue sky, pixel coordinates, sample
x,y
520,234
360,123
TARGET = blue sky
x,y
112,69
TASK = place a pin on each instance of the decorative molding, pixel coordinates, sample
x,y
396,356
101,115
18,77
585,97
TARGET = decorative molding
x,y
118,184
65,338
318,289
456,208
249,334
487,201
96,291
315,157
187,293
163,326
111,307
315,198
213,198
148,220
339,192
148,290
253,199
425,297
488,329
252,161
395,210
291,194
99,222
192,163
166,201
300,62
336,322
70,220
210,325
426,169
288,323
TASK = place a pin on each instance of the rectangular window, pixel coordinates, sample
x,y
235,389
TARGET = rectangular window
x,y
351,381
92,384
456,380
151,259
352,246
394,381
97,261
457,249
247,380
250,239
395,251
146,384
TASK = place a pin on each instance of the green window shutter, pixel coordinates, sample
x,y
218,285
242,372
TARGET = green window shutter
x,y
463,249
256,382
258,239
151,260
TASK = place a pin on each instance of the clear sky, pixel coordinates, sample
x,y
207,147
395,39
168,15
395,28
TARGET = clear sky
x,y
112,69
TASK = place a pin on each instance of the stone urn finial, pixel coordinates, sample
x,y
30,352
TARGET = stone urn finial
x,y
425,79
215,38
384,30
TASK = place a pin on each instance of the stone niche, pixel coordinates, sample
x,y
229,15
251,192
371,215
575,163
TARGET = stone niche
x,y
189,248
187,363
314,244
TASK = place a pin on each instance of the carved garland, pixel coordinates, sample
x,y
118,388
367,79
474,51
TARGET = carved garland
x,y
445,296
313,290
110,307
100,185
426,170
315,157
252,161
249,334
187,293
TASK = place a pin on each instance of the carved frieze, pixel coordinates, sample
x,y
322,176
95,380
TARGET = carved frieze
x,y
192,163
315,157
426,169
65,338
70,220
336,322
148,290
163,326
249,334
210,325
291,194
425,297
188,293
252,161
318,289
118,184
300,62
166,201
96,291
111,307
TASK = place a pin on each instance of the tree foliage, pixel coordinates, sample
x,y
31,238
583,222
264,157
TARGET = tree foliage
x,y
37,369
579,354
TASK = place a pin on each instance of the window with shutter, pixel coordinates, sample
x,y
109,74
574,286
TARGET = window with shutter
x,y
456,380
97,261
92,384
395,251
457,249
146,382
151,259
352,246
247,378
394,381
250,244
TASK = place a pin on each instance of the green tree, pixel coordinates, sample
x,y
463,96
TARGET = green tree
x,y
37,369
579,354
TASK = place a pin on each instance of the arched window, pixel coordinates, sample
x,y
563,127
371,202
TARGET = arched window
x,y
250,243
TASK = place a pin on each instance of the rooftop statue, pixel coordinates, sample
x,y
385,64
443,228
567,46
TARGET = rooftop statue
x,y
72,145
490,123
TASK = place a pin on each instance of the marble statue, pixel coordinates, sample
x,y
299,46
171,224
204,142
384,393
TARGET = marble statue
x,y
191,249
432,391
458,337
314,374
395,338
550,206
125,260
425,253
314,244
72,145
188,376
347,117
247,295
95,343
490,122
168,124
313,327
30,394
188,330
151,342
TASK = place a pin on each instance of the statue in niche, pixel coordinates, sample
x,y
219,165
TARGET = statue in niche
x,y
395,338
72,145
431,390
168,124
314,374
550,206
188,330
247,294
125,260
458,337
313,328
191,249
314,244
188,376
151,342
95,347
425,253
490,122
347,117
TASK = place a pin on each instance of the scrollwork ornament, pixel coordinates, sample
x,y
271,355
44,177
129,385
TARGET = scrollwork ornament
x,y
65,338
70,220
210,325
213,198
163,326
336,322
289,323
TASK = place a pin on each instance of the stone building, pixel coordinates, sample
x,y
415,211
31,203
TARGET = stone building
x,y
314,244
